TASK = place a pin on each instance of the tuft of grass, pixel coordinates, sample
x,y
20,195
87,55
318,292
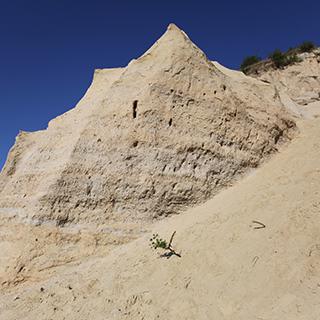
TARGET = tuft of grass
x,y
249,61
307,46
279,58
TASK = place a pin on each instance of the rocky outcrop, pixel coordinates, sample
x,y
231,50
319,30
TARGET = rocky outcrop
x,y
166,132
296,85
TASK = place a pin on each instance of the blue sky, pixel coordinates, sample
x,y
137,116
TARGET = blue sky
x,y
49,49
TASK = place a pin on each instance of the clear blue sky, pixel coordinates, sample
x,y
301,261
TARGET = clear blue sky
x,y
49,49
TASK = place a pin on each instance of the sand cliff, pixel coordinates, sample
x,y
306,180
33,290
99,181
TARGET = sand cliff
x,y
170,131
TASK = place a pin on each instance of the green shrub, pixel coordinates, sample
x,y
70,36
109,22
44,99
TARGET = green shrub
x,y
279,59
307,46
248,61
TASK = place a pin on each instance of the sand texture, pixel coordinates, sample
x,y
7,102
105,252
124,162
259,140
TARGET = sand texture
x,y
237,157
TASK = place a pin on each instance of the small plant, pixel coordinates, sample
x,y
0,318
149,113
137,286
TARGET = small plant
x,y
157,242
248,61
307,46
279,59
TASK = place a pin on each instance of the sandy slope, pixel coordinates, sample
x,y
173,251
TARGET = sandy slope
x,y
149,140
228,269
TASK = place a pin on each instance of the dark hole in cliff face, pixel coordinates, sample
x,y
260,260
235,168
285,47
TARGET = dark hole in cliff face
x,y
134,109
170,122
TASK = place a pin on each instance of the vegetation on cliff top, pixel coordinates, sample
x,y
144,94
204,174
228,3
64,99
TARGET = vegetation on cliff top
x,y
278,58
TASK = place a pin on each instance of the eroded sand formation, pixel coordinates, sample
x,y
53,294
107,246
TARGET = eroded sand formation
x,y
151,139
166,132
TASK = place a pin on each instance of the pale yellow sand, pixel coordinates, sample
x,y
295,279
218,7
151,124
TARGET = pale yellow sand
x,y
228,269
